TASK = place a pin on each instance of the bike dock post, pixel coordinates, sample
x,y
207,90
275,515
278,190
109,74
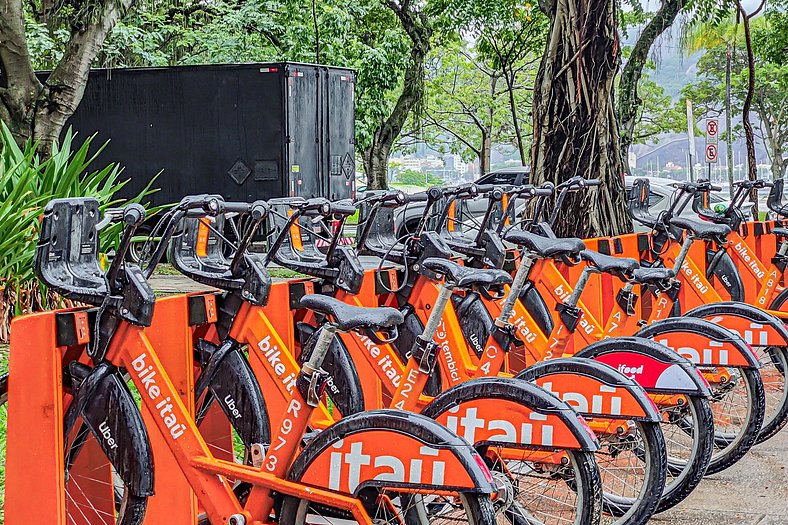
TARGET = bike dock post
x,y
34,474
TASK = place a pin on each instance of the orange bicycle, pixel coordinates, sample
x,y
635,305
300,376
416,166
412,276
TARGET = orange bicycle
x,y
420,470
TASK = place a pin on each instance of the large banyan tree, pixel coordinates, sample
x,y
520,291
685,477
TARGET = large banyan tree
x,y
575,126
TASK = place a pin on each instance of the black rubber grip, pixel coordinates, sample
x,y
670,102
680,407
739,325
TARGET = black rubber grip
x,y
418,197
344,207
236,207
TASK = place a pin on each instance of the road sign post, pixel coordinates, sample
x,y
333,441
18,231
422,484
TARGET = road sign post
x,y
712,142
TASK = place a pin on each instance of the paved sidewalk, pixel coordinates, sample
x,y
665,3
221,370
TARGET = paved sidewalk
x,y
754,491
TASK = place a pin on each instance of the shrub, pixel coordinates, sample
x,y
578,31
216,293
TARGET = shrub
x,y
27,183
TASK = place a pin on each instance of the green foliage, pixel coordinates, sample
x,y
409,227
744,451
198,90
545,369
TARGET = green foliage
x,y
417,178
771,83
27,183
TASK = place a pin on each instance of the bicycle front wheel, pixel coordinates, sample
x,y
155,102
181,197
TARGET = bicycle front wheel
x,y
94,492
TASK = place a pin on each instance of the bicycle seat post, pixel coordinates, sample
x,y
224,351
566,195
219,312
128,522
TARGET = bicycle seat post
x,y
444,296
520,278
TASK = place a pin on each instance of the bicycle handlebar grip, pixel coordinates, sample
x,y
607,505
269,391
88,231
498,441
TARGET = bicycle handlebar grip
x,y
317,204
236,207
543,192
464,192
395,198
134,214
419,197
259,210
487,188
591,182
344,207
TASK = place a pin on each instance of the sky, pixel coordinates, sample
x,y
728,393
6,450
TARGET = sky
x,y
748,4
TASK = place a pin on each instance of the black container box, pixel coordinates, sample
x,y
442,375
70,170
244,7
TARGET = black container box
x,y
245,131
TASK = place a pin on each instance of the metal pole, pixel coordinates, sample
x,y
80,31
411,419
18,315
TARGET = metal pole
x,y
728,124
691,138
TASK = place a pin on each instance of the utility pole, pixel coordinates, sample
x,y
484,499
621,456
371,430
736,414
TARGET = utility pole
x,y
691,138
728,125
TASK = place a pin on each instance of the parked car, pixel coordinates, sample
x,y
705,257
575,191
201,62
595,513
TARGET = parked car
x,y
407,218
661,196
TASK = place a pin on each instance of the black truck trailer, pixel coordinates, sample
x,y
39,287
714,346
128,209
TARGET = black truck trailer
x,y
245,131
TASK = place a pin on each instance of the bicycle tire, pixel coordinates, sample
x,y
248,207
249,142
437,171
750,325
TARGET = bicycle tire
x,y
638,510
585,482
686,475
477,507
774,379
130,510
732,449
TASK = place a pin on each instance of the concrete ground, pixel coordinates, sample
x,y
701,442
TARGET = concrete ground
x,y
752,492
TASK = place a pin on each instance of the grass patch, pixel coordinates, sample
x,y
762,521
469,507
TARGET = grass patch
x,y
165,269
285,273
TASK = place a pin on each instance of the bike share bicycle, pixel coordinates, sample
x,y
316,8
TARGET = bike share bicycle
x,y
701,341
559,375
292,479
686,471
762,329
538,427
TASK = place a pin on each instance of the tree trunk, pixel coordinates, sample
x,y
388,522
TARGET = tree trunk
x,y
518,133
778,165
484,158
376,156
629,102
39,111
749,133
575,127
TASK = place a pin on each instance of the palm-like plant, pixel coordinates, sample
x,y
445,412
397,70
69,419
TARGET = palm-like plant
x,y
27,183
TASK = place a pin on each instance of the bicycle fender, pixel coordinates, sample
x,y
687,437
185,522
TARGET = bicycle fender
x,y
593,389
511,413
239,396
115,421
390,448
343,383
702,342
721,266
475,321
654,367
757,327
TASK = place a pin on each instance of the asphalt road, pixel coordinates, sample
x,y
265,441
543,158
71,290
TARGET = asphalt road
x,y
752,492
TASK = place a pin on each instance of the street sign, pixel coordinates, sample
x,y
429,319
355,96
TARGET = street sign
x,y
712,153
712,131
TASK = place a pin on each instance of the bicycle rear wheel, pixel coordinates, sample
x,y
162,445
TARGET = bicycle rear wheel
x,y
739,406
688,429
774,363
540,493
633,467
390,507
